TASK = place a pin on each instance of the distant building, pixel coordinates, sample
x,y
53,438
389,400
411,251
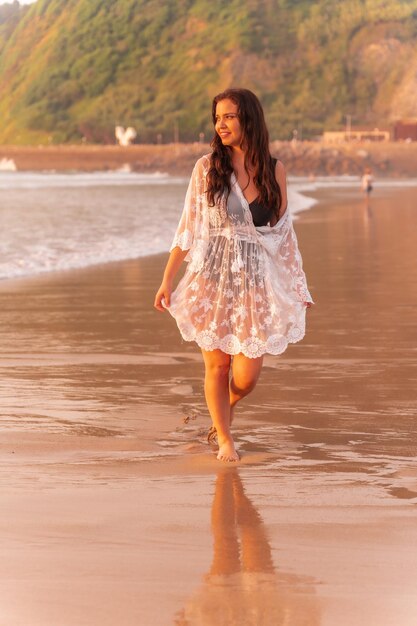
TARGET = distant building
x,y
356,135
405,130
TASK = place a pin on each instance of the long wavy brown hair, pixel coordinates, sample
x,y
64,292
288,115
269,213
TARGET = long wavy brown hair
x,y
255,142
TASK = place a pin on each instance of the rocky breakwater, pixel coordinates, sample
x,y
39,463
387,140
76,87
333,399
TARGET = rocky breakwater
x,y
301,158
388,159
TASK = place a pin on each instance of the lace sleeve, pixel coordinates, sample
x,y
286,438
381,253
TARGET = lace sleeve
x,y
294,264
280,242
281,246
186,230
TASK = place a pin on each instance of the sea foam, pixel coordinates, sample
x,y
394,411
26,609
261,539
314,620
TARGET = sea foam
x,y
54,221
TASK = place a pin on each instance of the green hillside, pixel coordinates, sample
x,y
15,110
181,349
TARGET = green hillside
x,y
74,68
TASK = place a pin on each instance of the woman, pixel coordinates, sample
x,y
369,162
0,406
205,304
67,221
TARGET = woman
x,y
244,292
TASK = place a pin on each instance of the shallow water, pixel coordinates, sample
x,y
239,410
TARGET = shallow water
x,y
53,221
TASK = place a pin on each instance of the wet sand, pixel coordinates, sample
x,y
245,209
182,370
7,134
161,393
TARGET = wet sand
x,y
114,509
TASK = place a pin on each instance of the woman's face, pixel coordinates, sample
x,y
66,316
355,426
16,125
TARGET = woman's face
x,y
227,123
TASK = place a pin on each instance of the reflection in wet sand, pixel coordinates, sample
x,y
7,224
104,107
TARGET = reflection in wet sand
x,y
242,585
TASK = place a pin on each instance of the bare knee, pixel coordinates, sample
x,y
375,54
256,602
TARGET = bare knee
x,y
245,376
219,371
243,386
217,365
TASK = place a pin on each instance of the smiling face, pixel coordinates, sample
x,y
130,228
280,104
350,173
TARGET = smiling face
x,y
227,124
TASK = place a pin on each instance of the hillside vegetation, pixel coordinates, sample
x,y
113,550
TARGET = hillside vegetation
x,y
74,68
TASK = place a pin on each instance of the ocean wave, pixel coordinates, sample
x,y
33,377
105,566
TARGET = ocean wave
x,y
121,177
60,221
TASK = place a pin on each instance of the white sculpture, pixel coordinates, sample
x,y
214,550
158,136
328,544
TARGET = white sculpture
x,y
7,165
125,137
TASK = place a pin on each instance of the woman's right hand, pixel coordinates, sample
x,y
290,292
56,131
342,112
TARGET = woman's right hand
x,y
163,293
176,257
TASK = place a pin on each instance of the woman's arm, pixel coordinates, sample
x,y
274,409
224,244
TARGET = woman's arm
x,y
281,179
174,262
184,236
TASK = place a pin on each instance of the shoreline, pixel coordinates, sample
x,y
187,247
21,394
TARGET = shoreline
x,y
64,272
318,194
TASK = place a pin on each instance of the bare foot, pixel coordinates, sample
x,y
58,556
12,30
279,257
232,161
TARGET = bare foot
x,y
227,451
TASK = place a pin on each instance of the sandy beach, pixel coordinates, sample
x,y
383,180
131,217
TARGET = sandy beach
x,y
114,508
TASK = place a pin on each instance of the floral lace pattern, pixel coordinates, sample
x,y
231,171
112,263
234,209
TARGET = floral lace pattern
x,y
244,290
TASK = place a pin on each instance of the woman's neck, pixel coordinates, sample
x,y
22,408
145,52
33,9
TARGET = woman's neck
x,y
238,157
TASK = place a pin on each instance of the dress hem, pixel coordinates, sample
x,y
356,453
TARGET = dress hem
x,y
201,344
252,347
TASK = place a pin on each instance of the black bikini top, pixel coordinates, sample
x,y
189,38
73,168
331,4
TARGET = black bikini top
x,y
261,215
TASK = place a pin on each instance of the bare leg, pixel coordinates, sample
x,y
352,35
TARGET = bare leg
x,y
216,388
245,374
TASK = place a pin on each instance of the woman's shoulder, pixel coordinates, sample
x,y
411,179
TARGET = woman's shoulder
x,y
280,173
203,162
279,165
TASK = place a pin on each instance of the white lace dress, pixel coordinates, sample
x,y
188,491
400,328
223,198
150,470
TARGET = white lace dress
x,y
244,289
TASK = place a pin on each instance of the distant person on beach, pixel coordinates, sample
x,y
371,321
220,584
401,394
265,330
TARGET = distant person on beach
x,y
366,182
244,292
